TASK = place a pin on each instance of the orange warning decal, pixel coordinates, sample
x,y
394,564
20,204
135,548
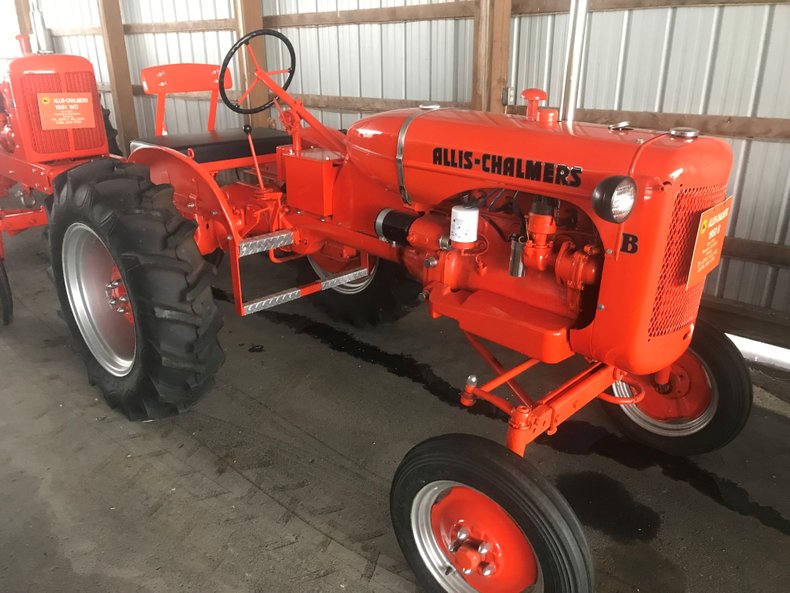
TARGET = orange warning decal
x,y
65,110
709,242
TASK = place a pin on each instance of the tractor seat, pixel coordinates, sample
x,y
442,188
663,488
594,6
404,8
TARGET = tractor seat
x,y
219,145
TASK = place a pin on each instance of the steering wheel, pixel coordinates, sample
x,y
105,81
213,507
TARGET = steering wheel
x,y
236,105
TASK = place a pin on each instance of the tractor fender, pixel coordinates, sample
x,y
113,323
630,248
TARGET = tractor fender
x,y
194,188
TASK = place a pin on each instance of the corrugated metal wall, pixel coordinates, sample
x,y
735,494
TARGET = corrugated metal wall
x,y
150,49
415,60
730,60
153,49
77,15
429,60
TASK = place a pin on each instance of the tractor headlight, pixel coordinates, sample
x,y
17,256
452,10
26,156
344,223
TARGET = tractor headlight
x,y
614,198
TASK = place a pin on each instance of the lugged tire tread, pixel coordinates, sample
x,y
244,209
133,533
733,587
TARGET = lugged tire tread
x,y
168,280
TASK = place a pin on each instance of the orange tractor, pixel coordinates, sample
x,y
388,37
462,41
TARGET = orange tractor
x,y
548,237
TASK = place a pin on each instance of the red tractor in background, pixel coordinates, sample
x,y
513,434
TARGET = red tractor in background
x,y
547,237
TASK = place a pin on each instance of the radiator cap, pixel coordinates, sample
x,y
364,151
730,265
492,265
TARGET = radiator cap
x,y
683,132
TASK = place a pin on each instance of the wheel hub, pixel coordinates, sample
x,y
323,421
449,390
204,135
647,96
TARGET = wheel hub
x,y
470,543
474,557
117,299
682,406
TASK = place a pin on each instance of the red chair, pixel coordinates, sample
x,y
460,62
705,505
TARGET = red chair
x,y
183,78
214,149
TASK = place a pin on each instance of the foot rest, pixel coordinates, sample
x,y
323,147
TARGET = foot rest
x,y
291,294
261,243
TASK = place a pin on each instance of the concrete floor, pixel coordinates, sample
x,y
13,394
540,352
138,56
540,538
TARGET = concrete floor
x,y
278,481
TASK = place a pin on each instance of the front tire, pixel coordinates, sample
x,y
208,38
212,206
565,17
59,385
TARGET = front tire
x,y
6,300
705,406
134,289
471,515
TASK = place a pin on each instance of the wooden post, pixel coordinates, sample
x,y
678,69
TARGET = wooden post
x,y
249,18
480,62
500,50
23,16
491,46
118,67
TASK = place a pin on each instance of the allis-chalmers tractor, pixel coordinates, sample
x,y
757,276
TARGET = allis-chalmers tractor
x,y
550,238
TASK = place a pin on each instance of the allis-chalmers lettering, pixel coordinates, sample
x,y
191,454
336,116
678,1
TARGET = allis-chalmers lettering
x,y
556,173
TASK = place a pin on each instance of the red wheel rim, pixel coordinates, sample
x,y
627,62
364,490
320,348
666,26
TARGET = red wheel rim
x,y
483,542
685,405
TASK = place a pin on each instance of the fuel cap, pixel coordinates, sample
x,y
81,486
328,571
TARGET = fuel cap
x,y
685,133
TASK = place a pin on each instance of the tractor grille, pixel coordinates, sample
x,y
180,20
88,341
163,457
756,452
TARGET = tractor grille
x,y
675,307
58,141
86,138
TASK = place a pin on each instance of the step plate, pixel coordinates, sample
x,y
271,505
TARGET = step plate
x,y
292,294
272,300
265,242
343,278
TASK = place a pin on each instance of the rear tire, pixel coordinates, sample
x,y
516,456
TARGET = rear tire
x,y
711,410
6,300
111,133
115,235
534,540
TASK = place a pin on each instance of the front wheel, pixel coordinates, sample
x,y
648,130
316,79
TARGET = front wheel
x,y
134,289
6,300
471,515
705,405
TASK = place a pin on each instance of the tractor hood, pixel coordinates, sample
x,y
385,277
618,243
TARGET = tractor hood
x,y
429,155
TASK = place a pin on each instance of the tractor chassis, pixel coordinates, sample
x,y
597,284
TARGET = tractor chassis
x,y
529,418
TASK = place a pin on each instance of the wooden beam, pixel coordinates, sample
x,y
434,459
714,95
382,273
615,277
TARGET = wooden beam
x,y
372,104
749,321
734,126
491,46
757,251
630,4
332,103
423,12
141,28
365,104
118,67
23,16
525,7
499,48
249,15
481,54
74,31
763,128
180,26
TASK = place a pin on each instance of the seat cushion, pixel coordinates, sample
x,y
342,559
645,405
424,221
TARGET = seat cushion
x,y
219,145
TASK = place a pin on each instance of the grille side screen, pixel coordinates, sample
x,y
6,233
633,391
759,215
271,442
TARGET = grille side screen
x,y
44,141
86,138
675,307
